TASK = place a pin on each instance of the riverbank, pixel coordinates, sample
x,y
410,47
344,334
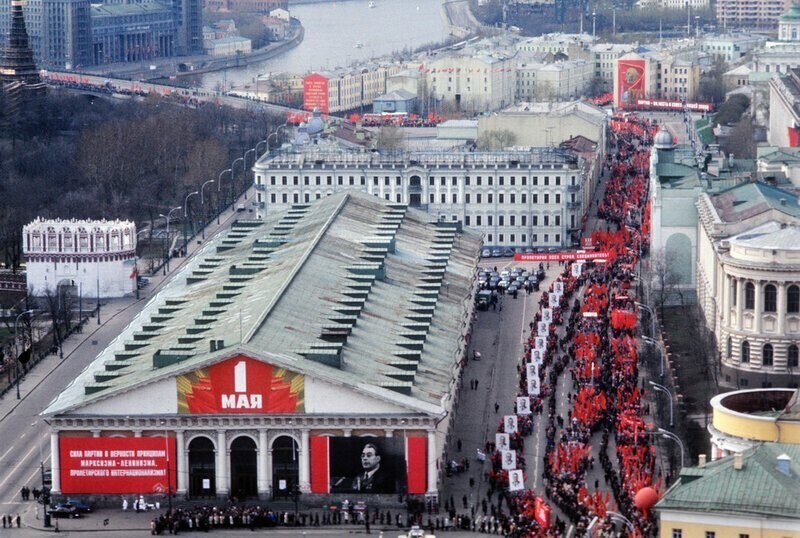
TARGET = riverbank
x,y
459,18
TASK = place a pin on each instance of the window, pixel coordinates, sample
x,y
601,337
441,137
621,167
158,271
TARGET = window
x,y
524,238
770,298
512,220
466,220
478,220
535,238
500,220
729,347
742,535
307,197
793,299
489,220
792,356
430,181
558,180
558,220
500,198
535,220
443,197
272,180
489,238
489,198
547,180
478,181
399,198
284,198
500,238
524,220
443,181
455,198
466,198
547,198
749,296
546,238
513,239
294,180
501,178
478,198
733,291
512,198
745,351
283,180
430,198
766,355
558,198
330,180
677,533
272,198
711,534
523,198
547,220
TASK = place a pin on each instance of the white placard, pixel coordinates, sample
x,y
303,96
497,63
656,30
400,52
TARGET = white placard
x,y
510,423
558,288
515,480
281,484
547,315
533,386
509,459
532,369
542,329
553,299
540,343
577,269
537,357
501,441
206,483
523,405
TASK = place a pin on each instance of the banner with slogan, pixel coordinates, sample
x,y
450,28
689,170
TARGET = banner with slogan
x,y
560,256
117,464
241,385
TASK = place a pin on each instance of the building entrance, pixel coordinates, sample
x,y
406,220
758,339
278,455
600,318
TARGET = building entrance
x,y
285,466
201,468
243,468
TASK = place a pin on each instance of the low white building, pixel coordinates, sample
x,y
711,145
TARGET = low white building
x,y
97,256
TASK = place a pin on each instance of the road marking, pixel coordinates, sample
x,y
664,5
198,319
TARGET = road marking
x,y
6,452
17,466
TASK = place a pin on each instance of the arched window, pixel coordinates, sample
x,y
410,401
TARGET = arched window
x,y
745,351
730,347
770,298
766,355
749,296
792,356
793,299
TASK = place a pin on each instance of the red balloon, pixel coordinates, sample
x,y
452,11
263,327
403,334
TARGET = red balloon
x,y
645,499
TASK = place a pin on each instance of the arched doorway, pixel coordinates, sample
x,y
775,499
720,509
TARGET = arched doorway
x,y
202,469
243,468
415,191
285,466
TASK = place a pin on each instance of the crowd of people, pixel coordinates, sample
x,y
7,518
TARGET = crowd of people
x,y
589,336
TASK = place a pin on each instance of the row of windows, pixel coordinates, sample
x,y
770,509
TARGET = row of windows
x,y
512,199
523,239
770,299
678,533
767,354
512,220
362,180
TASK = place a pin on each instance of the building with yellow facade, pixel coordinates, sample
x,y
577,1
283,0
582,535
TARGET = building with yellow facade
x,y
752,494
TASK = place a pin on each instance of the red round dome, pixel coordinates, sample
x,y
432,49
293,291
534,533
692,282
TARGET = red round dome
x,y
645,498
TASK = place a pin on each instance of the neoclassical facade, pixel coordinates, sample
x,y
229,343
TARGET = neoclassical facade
x,y
281,352
748,275
94,257
515,198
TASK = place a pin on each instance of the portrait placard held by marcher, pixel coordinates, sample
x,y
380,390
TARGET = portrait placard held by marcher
x,y
367,464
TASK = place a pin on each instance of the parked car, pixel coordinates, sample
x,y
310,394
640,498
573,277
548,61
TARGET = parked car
x,y
509,252
80,505
497,253
486,253
484,299
64,510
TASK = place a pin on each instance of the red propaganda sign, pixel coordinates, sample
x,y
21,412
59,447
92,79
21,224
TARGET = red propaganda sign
x,y
560,256
241,385
315,93
587,242
673,105
542,512
631,83
117,464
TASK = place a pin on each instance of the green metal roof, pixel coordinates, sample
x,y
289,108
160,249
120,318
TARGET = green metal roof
x,y
748,199
759,488
349,289
792,15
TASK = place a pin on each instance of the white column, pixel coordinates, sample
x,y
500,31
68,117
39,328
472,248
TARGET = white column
x,y
432,472
388,433
96,433
347,432
221,471
262,478
55,463
782,300
180,455
305,463
136,433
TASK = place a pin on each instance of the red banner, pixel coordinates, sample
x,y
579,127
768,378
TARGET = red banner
x,y
417,458
117,464
315,93
560,256
631,83
319,464
240,385
673,105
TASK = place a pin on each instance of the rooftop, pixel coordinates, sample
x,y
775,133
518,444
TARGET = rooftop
x,y
758,489
770,236
350,289
746,200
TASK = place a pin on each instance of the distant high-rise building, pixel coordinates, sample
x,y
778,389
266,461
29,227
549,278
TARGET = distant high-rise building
x,y
188,15
67,35
750,14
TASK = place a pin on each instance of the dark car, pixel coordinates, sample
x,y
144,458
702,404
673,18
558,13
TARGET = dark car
x,y
497,253
508,252
79,505
64,510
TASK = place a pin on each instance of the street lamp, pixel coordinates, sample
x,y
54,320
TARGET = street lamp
x,y
219,190
16,345
275,133
203,203
652,316
168,216
233,177
186,217
660,350
244,170
665,390
668,434
261,142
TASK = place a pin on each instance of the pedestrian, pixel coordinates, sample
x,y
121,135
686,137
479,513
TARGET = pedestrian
x,y
496,407
458,444
19,521
476,384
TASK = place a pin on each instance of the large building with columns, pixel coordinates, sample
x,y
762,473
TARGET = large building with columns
x,y
277,356
526,197
748,282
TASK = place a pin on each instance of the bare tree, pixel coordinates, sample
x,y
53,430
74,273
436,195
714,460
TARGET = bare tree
x,y
390,137
497,139
662,279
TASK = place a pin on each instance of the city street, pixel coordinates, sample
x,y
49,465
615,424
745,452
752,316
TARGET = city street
x,y
26,440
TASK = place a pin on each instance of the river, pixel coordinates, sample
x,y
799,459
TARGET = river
x,y
332,30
